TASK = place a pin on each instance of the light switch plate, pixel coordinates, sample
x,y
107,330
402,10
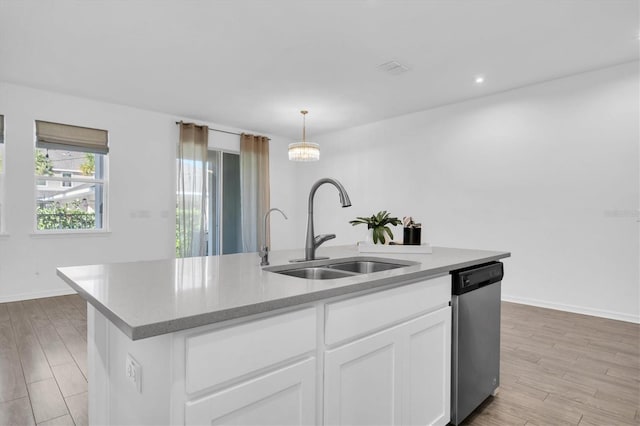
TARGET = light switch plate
x,y
133,372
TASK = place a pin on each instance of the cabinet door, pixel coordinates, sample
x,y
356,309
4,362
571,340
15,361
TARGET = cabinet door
x,y
426,389
362,382
398,376
282,397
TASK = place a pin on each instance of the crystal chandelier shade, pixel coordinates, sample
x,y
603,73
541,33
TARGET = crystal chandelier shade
x,y
304,151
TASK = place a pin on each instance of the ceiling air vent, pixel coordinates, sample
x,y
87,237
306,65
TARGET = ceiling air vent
x,y
393,68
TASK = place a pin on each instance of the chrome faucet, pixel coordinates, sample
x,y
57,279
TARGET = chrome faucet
x,y
313,242
264,251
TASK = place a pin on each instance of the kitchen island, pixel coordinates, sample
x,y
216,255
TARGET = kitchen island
x,y
220,340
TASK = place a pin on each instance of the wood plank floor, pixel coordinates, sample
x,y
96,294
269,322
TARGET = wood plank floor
x,y
43,362
557,368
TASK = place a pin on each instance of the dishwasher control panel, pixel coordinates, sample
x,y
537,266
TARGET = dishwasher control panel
x,y
469,279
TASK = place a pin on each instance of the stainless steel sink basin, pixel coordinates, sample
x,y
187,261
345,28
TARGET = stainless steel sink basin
x,y
315,273
365,266
339,268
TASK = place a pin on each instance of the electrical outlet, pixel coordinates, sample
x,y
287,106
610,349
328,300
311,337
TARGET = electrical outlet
x,y
133,371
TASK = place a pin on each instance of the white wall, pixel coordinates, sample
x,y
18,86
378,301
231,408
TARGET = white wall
x,y
549,172
141,190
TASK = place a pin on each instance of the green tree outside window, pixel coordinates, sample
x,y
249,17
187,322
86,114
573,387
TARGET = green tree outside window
x,y
44,166
88,167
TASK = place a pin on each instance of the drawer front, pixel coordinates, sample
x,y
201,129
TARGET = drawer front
x,y
348,319
221,355
282,397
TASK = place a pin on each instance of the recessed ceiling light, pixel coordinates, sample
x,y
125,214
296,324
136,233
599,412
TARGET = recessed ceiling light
x,y
479,79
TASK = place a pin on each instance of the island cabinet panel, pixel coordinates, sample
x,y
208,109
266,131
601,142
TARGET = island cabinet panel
x,y
379,358
215,357
398,376
426,390
358,316
282,397
362,381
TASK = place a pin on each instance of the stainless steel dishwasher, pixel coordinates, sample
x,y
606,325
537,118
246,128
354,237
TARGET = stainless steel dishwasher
x,y
475,352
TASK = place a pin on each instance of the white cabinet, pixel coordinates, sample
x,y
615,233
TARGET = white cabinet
x,y
426,387
282,397
377,358
252,373
362,381
362,315
398,376
218,356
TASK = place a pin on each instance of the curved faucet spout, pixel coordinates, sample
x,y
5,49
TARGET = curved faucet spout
x,y
311,242
264,251
266,216
342,193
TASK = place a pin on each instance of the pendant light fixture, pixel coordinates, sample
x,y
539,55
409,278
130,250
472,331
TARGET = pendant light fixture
x,y
304,151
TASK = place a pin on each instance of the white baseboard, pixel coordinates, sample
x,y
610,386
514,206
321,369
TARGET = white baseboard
x,y
571,308
36,295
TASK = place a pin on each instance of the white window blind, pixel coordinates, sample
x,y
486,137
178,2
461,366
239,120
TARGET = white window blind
x,y
71,138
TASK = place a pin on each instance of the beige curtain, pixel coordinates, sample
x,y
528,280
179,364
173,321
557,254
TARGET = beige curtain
x,y
192,190
254,189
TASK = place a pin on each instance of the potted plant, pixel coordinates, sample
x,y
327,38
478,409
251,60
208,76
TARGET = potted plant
x,y
378,224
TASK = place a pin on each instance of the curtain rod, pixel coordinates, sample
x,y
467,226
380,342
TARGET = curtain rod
x,y
218,130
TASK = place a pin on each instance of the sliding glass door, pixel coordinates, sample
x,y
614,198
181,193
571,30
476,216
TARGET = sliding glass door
x,y
224,229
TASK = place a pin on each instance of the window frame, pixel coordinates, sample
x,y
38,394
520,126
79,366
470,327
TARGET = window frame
x,y
104,181
3,142
3,172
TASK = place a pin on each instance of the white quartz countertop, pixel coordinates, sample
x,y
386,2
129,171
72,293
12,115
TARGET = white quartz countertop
x,y
151,298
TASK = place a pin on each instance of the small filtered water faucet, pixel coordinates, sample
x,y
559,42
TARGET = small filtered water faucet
x,y
264,251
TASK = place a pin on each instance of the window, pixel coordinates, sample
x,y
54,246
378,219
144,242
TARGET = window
x,y
66,182
70,169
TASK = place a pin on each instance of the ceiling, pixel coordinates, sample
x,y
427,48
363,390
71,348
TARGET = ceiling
x,y
255,64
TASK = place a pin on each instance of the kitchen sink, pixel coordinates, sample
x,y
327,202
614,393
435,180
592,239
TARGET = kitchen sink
x,y
315,273
365,266
339,268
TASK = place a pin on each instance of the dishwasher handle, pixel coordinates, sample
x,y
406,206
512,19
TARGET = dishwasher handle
x,y
472,278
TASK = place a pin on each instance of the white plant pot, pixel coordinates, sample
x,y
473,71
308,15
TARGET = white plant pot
x,y
369,239
369,236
